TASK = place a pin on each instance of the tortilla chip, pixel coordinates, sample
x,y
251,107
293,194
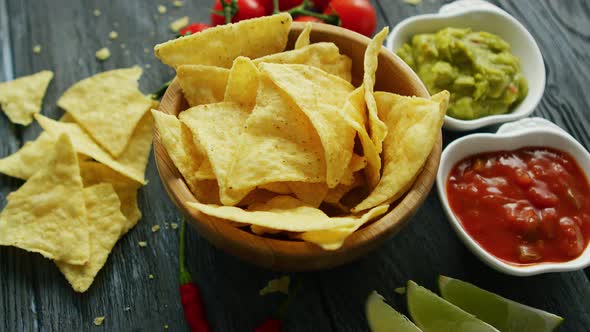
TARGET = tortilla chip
x,y
220,45
378,129
30,158
46,214
311,194
108,106
356,164
23,97
277,187
202,84
242,83
325,56
278,145
303,38
133,160
94,173
207,192
335,195
333,239
281,213
354,113
105,223
306,87
218,127
196,151
414,125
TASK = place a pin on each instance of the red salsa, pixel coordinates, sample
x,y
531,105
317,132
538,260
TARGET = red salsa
x,y
525,206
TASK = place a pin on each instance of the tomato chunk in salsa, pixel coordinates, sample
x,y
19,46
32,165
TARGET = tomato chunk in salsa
x,y
525,206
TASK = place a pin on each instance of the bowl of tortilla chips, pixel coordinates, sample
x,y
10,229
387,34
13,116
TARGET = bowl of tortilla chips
x,y
295,146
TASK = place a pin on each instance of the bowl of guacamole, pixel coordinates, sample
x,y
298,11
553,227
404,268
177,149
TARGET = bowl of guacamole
x,y
478,68
488,60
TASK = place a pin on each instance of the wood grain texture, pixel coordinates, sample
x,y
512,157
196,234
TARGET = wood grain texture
x,y
35,297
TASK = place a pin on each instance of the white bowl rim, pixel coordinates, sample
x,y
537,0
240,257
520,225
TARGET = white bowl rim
x,y
468,7
514,132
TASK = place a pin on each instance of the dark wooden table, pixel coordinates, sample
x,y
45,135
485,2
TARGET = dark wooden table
x,y
34,296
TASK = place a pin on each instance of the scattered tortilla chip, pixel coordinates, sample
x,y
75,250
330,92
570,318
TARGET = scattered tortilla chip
x,y
94,173
47,214
378,129
23,97
108,106
220,45
414,125
281,213
279,285
325,56
133,160
202,84
279,144
218,128
242,83
311,194
178,24
303,38
105,222
333,239
306,87
30,158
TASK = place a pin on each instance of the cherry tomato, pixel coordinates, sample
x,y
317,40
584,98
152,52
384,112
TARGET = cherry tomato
x,y
193,28
246,9
307,19
355,15
320,4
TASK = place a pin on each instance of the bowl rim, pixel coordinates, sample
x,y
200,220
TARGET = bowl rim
x,y
236,240
514,132
462,8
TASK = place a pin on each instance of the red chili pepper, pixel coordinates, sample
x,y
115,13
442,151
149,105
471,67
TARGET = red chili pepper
x,y
190,296
270,325
193,28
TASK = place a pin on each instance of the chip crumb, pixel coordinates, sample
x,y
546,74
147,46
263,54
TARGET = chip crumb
x,y
174,225
123,46
155,228
413,2
113,34
142,244
96,12
116,24
98,320
103,54
178,3
400,290
148,66
126,52
165,326
178,24
151,276
146,50
37,49
280,285
162,9
126,308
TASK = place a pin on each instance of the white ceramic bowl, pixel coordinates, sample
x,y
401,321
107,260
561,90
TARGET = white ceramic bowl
x,y
482,16
511,136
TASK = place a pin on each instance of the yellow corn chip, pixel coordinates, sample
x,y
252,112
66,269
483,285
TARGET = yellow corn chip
x,y
242,83
47,214
278,145
33,156
94,173
335,195
378,129
356,164
333,239
277,187
281,213
105,223
354,113
306,87
132,161
414,125
325,56
108,106
194,149
207,192
303,38
23,97
311,194
202,84
219,46
218,127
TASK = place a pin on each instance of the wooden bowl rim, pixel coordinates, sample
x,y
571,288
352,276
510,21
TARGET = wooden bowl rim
x,y
224,234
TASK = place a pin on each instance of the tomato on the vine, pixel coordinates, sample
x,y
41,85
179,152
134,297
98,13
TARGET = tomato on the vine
x,y
193,28
307,19
246,9
355,15
320,4
288,4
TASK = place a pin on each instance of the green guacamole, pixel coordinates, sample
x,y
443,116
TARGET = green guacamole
x,y
479,70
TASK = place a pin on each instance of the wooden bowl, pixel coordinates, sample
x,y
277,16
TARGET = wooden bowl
x,y
393,75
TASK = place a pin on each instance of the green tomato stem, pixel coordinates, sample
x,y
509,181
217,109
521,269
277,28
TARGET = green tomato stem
x,y
275,6
185,276
300,11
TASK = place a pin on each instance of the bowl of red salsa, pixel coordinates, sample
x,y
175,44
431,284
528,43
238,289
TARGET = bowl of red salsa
x,y
520,198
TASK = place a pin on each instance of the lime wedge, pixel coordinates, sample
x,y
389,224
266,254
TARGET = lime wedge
x,y
431,313
506,315
383,318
